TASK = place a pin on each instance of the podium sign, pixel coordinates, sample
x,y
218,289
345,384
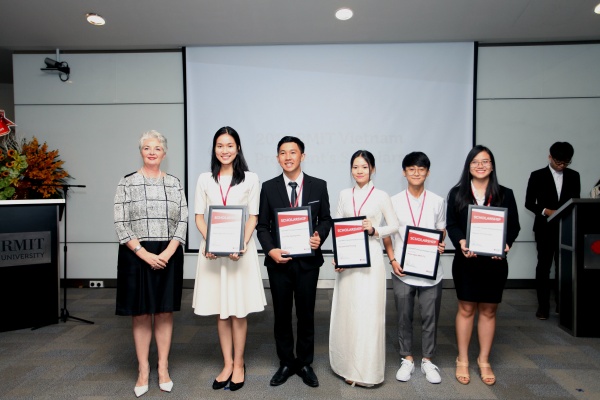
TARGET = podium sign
x,y
25,248
591,251
29,260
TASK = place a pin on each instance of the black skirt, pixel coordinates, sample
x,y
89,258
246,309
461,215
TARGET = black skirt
x,y
142,290
479,279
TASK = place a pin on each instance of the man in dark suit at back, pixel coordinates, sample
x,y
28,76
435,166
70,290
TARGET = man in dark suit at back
x,y
547,190
293,279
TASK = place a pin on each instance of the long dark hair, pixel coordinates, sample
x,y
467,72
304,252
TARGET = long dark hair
x,y
239,163
369,158
464,194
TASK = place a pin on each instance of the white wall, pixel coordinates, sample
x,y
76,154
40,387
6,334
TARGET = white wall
x,y
529,97
95,121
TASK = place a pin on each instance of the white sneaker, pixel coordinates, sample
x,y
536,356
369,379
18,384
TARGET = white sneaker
x,y
431,371
407,367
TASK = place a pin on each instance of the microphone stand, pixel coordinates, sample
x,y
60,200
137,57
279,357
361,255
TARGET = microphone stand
x,y
64,312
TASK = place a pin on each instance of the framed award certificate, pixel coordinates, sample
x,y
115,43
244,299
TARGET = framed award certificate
x,y
350,243
486,230
420,256
225,234
294,229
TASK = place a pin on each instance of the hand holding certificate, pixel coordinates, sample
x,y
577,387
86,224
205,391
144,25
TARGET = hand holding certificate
x,y
486,230
421,255
350,243
225,234
294,229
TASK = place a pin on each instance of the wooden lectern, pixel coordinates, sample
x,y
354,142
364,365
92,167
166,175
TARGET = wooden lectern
x,y
579,266
29,263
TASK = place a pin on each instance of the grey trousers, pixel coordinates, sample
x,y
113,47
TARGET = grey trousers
x,y
430,300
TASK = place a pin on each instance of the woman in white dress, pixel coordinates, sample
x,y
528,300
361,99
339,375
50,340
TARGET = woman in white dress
x,y
357,330
230,287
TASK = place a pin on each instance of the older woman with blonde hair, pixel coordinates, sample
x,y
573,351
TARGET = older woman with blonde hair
x,y
150,214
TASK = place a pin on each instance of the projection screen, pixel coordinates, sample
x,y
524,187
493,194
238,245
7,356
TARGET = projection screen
x,y
390,99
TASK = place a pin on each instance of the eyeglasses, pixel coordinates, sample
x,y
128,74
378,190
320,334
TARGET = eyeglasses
x,y
416,171
485,163
561,163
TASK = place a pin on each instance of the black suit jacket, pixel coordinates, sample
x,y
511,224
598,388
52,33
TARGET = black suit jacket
x,y
457,220
274,195
541,193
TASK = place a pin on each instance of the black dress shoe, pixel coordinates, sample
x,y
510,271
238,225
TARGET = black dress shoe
x,y
233,386
282,375
308,376
220,385
541,315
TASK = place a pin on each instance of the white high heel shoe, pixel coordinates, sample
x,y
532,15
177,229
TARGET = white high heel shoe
x,y
166,387
140,390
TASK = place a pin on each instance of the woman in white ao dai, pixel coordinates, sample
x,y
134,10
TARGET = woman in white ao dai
x,y
357,330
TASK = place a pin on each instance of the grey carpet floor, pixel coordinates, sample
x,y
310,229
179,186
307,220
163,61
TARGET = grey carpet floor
x,y
532,359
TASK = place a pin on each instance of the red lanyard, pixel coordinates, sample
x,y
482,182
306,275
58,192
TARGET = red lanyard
x,y
297,195
356,214
410,208
224,198
489,199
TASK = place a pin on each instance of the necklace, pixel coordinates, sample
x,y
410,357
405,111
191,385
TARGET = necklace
x,y
411,211
152,181
224,198
479,197
357,213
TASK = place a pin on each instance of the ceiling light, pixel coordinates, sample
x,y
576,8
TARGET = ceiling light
x,y
344,14
95,19
597,9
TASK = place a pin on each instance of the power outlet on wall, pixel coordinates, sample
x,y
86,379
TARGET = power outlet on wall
x,y
96,284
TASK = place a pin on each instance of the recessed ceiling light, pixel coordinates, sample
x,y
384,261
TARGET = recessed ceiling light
x,y
597,9
95,19
344,14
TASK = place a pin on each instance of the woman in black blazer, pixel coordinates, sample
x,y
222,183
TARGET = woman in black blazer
x,y
479,280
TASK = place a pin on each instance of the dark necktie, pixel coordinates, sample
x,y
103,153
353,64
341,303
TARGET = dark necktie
x,y
293,185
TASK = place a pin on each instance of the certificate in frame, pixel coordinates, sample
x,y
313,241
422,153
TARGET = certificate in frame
x,y
225,234
486,230
420,255
350,243
293,226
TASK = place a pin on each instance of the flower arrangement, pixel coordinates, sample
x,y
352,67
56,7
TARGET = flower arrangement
x,y
30,171
12,166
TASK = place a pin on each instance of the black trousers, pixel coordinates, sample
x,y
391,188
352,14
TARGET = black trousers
x,y
292,283
547,251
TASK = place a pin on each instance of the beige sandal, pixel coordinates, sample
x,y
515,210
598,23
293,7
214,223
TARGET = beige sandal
x,y
462,378
488,379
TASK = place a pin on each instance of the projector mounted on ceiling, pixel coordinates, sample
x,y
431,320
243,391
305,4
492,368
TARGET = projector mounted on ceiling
x,y
60,66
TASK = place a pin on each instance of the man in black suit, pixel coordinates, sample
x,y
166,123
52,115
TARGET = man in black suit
x,y
547,190
293,278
